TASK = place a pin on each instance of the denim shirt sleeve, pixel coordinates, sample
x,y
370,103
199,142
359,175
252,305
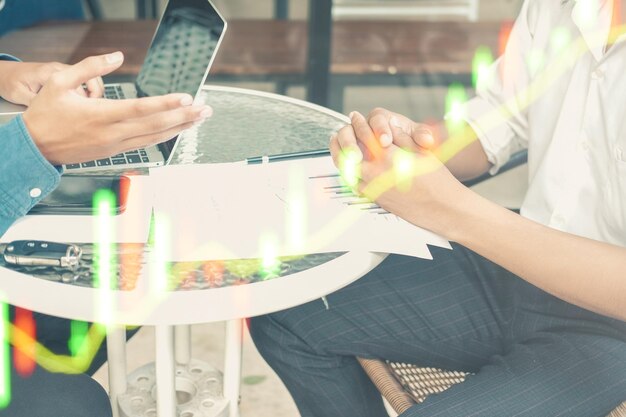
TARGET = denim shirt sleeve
x,y
26,177
7,57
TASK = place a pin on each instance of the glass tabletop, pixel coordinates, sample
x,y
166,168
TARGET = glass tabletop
x,y
245,124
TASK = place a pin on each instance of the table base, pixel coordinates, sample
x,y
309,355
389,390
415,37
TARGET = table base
x,y
198,392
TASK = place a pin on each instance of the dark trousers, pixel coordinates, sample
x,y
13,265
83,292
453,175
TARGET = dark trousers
x,y
45,394
532,354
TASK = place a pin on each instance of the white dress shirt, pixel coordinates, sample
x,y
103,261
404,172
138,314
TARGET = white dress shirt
x,y
559,93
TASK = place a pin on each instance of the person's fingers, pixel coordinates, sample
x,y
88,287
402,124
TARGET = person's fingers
x,y
402,137
378,120
348,142
423,136
404,141
335,149
115,110
81,91
365,135
161,122
87,69
359,189
142,141
416,137
94,88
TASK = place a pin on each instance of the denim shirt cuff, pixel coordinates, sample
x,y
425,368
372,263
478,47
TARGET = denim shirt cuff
x,y
27,177
7,57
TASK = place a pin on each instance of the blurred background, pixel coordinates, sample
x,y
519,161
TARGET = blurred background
x,y
416,96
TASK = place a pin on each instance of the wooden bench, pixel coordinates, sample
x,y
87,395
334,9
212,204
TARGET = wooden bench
x,y
363,52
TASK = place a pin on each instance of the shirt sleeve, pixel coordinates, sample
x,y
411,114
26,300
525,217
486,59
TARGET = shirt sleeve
x,y
26,177
7,57
498,112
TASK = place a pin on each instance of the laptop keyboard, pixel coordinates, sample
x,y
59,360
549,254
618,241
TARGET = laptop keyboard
x,y
113,92
139,156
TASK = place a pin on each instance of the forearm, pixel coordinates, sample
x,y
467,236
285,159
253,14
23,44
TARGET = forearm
x,y
462,153
584,272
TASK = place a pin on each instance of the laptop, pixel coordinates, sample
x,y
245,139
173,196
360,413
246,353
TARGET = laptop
x,y
178,61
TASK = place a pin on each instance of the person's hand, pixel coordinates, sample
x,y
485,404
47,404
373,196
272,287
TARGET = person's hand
x,y
414,185
21,81
69,128
379,134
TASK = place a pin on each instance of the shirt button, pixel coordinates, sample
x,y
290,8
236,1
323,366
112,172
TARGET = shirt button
x,y
597,74
620,155
35,192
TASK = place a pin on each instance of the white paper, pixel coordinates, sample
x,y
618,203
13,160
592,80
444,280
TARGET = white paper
x,y
131,226
231,211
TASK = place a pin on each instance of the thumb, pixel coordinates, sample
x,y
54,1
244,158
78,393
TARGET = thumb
x,y
414,136
401,136
423,136
89,68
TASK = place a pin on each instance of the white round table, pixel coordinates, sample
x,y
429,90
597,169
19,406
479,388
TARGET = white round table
x,y
245,123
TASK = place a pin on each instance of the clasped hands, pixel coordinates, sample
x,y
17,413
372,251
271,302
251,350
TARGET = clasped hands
x,y
393,161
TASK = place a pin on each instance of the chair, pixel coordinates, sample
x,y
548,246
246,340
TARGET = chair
x,y
403,385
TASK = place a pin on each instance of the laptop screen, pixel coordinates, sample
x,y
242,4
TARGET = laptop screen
x,y
182,51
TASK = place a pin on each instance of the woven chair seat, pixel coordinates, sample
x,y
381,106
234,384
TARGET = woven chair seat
x,y
404,385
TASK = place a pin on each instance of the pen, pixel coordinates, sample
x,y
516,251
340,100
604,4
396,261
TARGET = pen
x,y
287,156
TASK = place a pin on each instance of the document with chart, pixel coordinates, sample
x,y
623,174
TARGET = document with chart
x,y
228,211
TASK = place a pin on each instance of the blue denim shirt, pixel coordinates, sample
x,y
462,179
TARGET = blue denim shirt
x,y
26,176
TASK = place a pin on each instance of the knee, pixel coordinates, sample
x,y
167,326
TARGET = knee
x,y
49,394
275,337
90,398
263,333
293,331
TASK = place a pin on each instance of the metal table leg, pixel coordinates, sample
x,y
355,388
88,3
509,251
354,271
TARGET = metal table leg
x,y
232,365
116,351
182,344
319,52
165,371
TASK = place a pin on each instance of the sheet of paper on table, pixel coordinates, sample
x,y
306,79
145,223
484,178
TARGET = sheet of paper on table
x,y
230,211
131,226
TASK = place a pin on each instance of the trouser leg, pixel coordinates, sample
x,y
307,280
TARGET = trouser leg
x,y
44,394
321,384
569,375
442,313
